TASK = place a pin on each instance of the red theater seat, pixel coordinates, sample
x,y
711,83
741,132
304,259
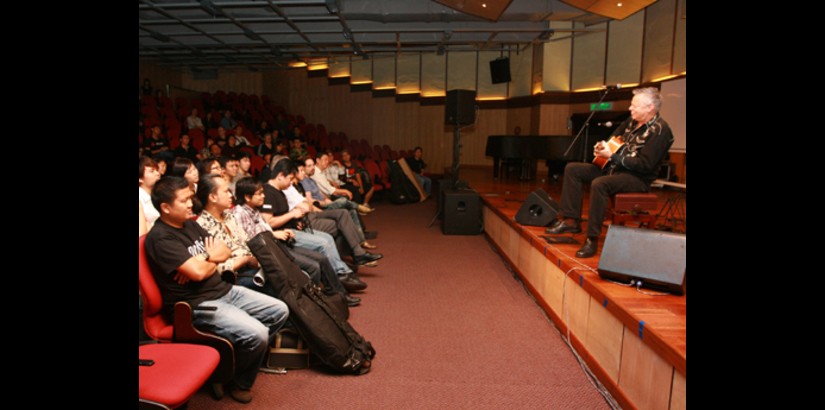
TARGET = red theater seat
x,y
177,371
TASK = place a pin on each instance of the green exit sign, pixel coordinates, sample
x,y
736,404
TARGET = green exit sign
x,y
605,106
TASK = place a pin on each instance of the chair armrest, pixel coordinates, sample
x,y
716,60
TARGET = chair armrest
x,y
144,404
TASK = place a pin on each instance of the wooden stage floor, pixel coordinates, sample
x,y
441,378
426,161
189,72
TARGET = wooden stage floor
x,y
660,320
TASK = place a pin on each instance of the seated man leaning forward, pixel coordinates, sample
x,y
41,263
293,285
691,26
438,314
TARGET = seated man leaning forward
x,y
631,168
184,259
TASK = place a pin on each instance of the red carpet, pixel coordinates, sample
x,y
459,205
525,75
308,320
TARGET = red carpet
x,y
452,329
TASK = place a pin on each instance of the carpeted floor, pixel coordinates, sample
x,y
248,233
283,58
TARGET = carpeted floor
x,y
452,329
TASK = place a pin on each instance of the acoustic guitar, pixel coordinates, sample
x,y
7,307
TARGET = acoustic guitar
x,y
614,145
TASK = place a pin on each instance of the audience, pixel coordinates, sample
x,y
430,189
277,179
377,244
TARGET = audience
x,y
184,168
194,121
357,177
184,259
148,176
185,150
417,166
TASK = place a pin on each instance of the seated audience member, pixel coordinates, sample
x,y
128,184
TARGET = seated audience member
x,y
184,259
324,184
185,149
335,222
194,121
186,169
239,137
206,152
231,149
250,196
267,147
228,123
230,170
156,143
142,227
148,176
215,151
296,149
160,160
356,177
264,128
244,165
417,166
313,195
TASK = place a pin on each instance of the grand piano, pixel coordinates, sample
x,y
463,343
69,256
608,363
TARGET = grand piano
x,y
531,147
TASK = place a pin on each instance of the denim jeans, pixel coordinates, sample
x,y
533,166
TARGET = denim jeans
x,y
248,319
322,242
426,183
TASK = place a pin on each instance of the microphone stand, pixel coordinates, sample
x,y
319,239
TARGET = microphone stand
x,y
585,128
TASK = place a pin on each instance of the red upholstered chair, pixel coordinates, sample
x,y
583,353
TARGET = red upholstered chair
x,y
181,330
176,372
637,207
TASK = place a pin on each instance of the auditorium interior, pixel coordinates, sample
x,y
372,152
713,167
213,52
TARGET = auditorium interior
x,y
474,304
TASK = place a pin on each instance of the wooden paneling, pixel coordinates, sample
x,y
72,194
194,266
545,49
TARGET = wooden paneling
x,y
576,306
644,376
679,160
553,119
678,395
525,260
658,49
519,117
158,76
589,57
604,339
238,81
551,285
624,50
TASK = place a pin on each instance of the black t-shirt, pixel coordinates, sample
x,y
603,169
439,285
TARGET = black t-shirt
x,y
275,203
167,248
416,165
189,152
151,144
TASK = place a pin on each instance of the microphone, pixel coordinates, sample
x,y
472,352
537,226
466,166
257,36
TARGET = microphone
x,y
613,87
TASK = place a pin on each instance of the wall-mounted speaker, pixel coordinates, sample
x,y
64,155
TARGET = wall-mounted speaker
x,y
656,258
538,210
500,70
459,107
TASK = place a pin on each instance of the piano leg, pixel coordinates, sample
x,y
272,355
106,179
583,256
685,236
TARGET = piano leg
x,y
495,167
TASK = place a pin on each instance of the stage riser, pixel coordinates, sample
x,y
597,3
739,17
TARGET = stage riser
x,y
636,375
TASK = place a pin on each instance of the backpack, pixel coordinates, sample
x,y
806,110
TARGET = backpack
x,y
402,190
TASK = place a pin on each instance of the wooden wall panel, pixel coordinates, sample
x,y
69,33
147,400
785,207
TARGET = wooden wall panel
x,y
238,81
680,45
604,338
678,395
576,306
552,283
644,377
159,76
553,119
525,260
520,117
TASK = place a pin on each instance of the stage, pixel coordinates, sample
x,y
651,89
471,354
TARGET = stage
x,y
634,342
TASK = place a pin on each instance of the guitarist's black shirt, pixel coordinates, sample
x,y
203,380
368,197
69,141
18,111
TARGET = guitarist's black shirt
x,y
644,149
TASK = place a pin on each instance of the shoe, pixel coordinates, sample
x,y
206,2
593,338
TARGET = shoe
x,y
352,283
370,234
352,300
240,395
588,249
364,209
367,245
561,226
367,258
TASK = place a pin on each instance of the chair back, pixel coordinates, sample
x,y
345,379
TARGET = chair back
x,y
157,327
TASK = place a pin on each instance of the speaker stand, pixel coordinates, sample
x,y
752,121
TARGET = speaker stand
x,y
454,181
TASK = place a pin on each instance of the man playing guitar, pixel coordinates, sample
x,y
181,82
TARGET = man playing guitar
x,y
629,162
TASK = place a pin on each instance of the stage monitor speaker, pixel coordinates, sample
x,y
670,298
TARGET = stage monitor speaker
x,y
500,70
462,212
538,209
460,107
656,258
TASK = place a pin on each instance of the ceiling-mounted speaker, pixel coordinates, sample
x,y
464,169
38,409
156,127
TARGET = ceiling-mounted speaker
x,y
610,8
488,9
500,70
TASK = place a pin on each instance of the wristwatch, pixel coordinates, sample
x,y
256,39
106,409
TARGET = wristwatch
x,y
205,256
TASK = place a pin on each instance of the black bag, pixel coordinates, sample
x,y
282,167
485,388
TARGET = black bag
x,y
319,321
402,190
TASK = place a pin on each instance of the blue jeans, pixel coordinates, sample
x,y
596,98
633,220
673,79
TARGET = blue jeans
x,y
248,319
322,242
426,183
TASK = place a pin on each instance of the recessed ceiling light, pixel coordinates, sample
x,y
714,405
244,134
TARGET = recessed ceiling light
x,y
484,5
618,4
